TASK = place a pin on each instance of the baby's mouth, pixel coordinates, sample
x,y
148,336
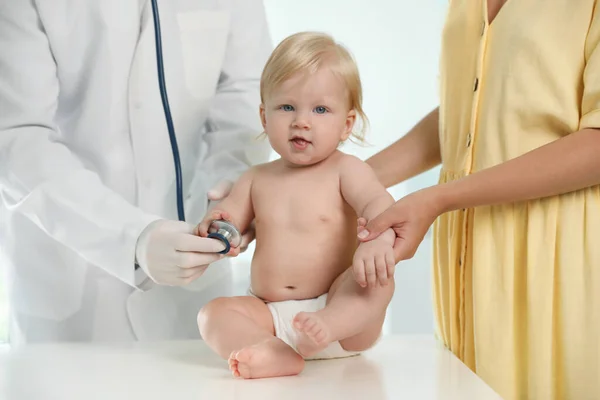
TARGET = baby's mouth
x,y
300,143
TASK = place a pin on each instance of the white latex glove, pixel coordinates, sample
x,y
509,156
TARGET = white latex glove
x,y
170,254
220,190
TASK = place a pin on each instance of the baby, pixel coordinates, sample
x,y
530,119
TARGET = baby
x,y
315,293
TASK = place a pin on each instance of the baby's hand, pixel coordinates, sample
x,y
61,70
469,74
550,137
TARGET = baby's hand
x,y
373,263
202,228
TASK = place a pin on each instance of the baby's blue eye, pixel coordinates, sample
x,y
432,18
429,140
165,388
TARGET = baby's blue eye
x,y
320,110
287,107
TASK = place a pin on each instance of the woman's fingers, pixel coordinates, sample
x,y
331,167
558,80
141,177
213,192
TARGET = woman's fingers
x,y
378,224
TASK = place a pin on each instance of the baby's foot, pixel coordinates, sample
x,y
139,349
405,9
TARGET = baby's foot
x,y
267,359
314,333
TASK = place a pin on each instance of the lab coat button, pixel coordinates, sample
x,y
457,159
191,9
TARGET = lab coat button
x,y
482,27
476,84
469,140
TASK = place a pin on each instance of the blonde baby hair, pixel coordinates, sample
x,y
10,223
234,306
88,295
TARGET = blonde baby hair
x,y
307,52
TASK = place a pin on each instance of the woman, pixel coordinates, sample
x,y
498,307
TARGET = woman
x,y
517,211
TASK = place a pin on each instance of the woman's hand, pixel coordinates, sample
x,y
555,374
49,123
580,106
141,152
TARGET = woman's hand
x,y
410,218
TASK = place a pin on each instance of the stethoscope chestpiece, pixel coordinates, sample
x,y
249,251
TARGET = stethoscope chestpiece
x,y
226,233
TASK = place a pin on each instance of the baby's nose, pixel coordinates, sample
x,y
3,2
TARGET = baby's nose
x,y
301,122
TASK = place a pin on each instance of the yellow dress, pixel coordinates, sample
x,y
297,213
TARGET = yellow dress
x,y
517,286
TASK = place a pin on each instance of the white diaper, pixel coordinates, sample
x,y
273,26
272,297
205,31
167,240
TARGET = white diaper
x,y
283,313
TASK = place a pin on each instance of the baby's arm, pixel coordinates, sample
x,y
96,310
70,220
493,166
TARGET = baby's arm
x,y
363,191
235,208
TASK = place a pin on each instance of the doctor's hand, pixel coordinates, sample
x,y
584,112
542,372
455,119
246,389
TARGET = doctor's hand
x,y
216,214
172,255
410,218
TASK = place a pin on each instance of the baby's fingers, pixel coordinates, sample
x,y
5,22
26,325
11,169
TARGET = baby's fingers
x,y
390,262
202,228
234,251
371,272
381,267
358,268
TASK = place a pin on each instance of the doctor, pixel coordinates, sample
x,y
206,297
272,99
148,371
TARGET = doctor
x,y
87,181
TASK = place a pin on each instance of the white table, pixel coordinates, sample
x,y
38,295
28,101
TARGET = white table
x,y
399,367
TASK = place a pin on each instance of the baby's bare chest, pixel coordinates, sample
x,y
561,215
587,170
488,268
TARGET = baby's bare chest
x,y
299,200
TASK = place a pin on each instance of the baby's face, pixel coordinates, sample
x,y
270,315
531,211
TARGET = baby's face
x,y
307,116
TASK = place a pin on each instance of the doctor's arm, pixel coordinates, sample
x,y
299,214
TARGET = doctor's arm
x,y
41,177
233,121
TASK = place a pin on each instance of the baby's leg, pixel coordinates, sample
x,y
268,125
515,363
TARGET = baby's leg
x,y
353,316
241,329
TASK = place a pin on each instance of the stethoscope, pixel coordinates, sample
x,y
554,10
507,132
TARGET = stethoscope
x,y
221,230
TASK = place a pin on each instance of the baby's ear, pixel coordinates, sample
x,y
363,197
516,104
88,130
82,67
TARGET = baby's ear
x,y
350,120
263,118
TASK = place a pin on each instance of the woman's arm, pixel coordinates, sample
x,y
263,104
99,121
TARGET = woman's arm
x,y
565,165
414,153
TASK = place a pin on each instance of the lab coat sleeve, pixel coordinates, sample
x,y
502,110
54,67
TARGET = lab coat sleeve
x,y
40,177
233,126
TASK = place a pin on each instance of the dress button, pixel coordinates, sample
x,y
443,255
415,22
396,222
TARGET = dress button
x,y
476,84
469,140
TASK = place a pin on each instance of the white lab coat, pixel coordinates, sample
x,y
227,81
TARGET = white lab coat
x,y
86,162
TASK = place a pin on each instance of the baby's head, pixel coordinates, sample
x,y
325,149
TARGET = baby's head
x,y
311,96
